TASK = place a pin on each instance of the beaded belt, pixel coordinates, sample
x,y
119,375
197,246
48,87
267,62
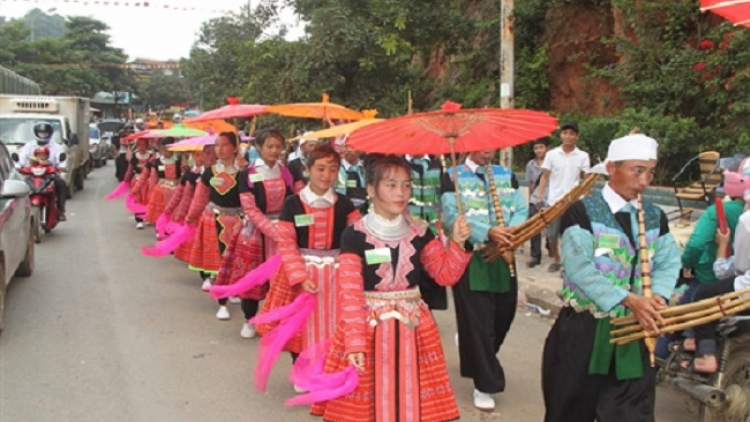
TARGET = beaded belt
x,y
402,305
223,210
166,183
320,257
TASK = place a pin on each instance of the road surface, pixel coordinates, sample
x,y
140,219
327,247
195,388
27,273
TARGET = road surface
x,y
101,333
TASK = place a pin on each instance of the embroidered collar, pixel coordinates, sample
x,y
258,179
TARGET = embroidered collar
x,y
142,155
267,172
314,200
387,230
221,168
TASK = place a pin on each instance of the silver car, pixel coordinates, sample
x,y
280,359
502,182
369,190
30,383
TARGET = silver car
x,y
18,227
100,146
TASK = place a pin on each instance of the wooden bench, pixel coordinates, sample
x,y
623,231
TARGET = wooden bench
x,y
702,190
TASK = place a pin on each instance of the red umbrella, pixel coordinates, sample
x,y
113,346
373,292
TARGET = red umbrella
x,y
230,111
452,130
736,11
135,136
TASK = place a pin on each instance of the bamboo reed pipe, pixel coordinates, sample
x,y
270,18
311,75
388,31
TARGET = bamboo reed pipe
x,y
676,310
645,273
740,307
499,219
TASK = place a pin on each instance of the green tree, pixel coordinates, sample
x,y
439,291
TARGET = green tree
x,y
162,91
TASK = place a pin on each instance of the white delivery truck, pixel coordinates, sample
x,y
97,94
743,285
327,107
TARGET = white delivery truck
x,y
69,116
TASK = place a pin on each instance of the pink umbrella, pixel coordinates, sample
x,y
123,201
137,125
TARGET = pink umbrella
x,y
193,144
230,111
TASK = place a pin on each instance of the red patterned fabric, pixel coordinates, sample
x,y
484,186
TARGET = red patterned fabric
x,y
180,213
243,254
175,200
198,203
160,196
205,254
399,356
139,187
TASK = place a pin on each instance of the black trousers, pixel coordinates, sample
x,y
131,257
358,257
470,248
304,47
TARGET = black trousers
x,y
572,395
483,320
61,190
121,166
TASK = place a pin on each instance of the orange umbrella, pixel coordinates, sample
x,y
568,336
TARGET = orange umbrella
x,y
322,110
345,129
215,126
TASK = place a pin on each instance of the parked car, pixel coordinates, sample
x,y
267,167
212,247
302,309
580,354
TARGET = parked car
x,y
18,227
100,146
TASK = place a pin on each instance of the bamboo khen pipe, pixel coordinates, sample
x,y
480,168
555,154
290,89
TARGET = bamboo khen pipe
x,y
645,273
736,307
683,309
539,222
508,254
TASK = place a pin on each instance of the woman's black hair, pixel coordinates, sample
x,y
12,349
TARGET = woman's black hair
x,y
231,136
320,152
378,165
166,141
266,134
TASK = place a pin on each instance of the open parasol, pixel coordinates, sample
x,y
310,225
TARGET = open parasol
x,y
176,131
215,126
322,110
451,130
134,136
230,111
344,129
735,11
192,144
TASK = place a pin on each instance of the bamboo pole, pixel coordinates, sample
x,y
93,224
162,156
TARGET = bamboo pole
x,y
499,219
645,273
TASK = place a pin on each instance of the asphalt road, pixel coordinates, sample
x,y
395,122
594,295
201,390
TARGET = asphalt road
x,y
101,333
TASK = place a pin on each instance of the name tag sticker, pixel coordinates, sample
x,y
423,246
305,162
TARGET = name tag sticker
x,y
609,241
216,181
351,183
303,220
476,203
255,178
378,256
162,168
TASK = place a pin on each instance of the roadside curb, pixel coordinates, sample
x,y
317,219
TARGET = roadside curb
x,y
543,297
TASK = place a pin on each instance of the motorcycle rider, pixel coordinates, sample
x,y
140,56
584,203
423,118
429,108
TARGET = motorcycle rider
x,y
43,132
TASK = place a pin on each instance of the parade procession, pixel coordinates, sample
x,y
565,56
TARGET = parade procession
x,y
274,247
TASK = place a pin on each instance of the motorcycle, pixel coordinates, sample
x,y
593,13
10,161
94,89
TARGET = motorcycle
x,y
41,180
725,395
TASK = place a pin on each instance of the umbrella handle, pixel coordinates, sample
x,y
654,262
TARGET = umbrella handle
x,y
457,190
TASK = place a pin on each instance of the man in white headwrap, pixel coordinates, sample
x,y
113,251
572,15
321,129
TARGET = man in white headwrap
x,y
584,378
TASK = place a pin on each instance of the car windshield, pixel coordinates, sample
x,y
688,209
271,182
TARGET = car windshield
x,y
20,130
94,133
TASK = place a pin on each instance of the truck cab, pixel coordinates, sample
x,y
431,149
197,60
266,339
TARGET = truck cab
x,y
69,118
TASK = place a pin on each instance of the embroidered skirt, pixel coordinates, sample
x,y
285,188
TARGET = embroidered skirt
x,y
247,249
215,229
321,267
159,198
405,377
143,194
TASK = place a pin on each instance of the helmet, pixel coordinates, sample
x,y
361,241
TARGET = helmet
x,y
43,127
735,184
176,118
41,150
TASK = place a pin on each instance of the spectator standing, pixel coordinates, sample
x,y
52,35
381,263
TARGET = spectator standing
x,y
533,179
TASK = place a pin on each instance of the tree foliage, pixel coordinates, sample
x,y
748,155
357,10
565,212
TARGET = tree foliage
x,y
81,62
162,91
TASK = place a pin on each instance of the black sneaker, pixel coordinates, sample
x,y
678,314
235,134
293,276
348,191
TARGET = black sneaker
x,y
61,217
533,263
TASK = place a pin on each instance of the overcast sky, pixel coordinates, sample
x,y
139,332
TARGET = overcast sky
x,y
153,32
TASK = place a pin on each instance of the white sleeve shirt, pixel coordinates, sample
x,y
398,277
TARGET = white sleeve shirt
x,y
55,150
565,171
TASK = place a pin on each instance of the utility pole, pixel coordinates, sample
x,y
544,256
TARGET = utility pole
x,y
507,66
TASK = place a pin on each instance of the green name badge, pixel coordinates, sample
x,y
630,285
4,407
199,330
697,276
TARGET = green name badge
x,y
351,183
216,181
609,241
303,220
476,203
378,256
256,178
